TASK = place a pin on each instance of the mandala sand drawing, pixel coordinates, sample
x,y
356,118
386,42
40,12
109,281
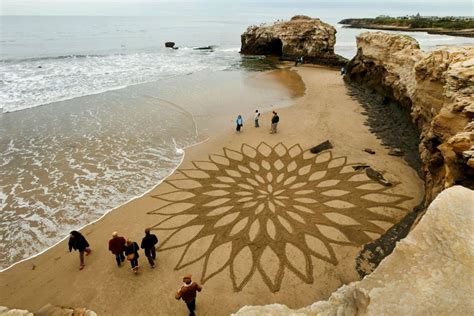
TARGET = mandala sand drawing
x,y
269,209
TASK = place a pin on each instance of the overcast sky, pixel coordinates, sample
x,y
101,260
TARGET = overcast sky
x,y
152,7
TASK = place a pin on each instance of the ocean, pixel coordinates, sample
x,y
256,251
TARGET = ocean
x,y
95,111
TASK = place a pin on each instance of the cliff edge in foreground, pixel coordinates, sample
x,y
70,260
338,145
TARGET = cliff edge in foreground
x,y
430,272
302,36
437,88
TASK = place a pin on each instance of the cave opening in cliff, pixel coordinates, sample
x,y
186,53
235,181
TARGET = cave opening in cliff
x,y
275,47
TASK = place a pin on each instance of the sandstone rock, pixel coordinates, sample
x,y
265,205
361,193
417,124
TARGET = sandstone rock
x,y
4,311
51,310
429,273
469,110
470,163
438,89
48,310
461,142
301,36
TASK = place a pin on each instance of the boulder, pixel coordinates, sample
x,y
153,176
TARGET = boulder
x,y
170,44
302,36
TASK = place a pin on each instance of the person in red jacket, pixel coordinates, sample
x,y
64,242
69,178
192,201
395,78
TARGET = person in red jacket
x,y
188,293
117,247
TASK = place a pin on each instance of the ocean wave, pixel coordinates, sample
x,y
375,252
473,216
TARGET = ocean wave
x,y
46,58
33,82
64,171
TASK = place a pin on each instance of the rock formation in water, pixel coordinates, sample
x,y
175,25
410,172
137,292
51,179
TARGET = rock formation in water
x,y
429,273
438,89
301,36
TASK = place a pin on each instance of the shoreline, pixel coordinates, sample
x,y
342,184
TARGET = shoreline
x,y
99,284
199,137
110,210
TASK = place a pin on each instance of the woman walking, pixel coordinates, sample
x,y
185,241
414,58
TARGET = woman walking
x,y
240,122
131,251
79,243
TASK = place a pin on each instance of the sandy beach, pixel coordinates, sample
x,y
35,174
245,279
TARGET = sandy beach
x,y
255,217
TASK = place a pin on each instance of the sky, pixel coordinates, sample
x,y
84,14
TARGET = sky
x,y
157,7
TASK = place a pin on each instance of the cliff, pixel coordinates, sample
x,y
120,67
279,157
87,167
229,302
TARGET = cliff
x,y
432,25
301,36
437,88
429,273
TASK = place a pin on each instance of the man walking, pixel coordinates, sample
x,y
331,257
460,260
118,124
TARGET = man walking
x,y
188,293
78,242
148,244
275,120
116,247
257,116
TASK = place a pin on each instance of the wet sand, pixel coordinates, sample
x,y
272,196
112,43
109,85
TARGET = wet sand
x,y
260,222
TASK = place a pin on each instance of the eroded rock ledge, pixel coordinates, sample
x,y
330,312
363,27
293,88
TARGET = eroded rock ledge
x,y
429,273
301,36
437,87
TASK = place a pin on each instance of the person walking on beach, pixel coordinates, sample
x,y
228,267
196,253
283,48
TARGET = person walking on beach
x,y
275,120
240,122
79,243
148,244
188,293
117,247
131,251
257,116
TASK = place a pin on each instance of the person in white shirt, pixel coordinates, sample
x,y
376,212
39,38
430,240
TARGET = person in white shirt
x,y
257,116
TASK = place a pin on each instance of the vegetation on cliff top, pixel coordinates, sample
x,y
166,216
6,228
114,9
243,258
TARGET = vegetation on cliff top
x,y
450,23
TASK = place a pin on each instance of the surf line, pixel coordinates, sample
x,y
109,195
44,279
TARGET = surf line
x,y
177,149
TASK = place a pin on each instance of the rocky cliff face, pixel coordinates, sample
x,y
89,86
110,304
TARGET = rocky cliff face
x,y
301,36
429,273
438,89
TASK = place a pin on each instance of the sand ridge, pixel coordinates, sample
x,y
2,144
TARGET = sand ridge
x,y
325,112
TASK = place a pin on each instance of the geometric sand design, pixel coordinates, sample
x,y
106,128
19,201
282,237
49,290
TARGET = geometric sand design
x,y
271,210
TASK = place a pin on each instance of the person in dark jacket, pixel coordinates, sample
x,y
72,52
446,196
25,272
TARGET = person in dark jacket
x,y
148,244
188,293
275,120
131,251
79,243
117,246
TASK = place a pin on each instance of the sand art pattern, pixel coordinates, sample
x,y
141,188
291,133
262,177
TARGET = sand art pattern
x,y
269,209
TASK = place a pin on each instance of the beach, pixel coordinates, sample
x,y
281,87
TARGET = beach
x,y
283,236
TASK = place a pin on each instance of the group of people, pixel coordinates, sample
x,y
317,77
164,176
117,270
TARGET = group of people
x,y
123,248
119,246
275,120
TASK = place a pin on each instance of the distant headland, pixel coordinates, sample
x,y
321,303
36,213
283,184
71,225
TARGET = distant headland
x,y
454,26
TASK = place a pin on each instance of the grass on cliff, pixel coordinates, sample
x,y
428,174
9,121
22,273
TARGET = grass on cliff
x,y
451,23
